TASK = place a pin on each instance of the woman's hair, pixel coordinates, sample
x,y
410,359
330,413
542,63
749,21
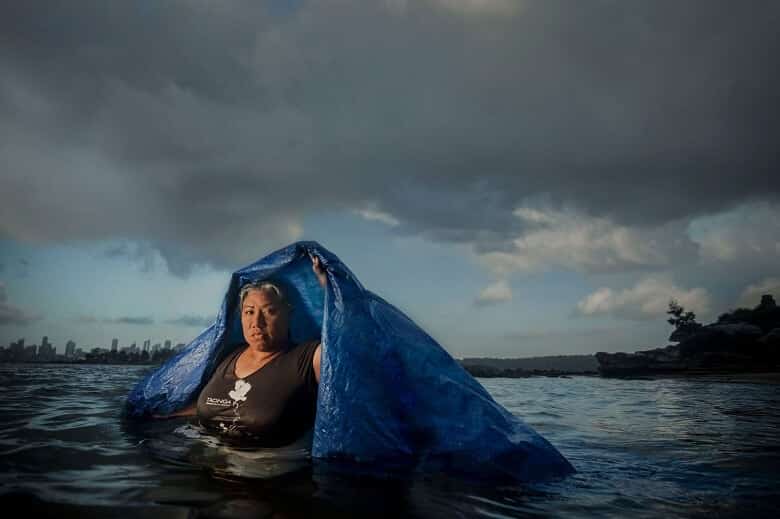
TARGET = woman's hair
x,y
262,285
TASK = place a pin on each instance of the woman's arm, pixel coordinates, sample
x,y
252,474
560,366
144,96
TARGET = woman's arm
x,y
316,362
322,277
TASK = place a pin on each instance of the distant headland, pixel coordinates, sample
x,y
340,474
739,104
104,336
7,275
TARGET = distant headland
x,y
548,366
740,341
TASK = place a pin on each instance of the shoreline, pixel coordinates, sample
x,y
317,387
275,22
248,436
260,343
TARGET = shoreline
x,y
745,377
749,377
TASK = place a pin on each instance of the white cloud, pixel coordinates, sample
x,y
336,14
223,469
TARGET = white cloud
x,y
747,232
498,292
534,215
195,321
588,244
378,216
294,230
648,299
751,296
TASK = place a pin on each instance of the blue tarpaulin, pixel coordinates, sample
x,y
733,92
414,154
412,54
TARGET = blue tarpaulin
x,y
388,392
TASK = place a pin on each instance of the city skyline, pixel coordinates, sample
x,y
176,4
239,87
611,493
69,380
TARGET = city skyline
x,y
71,345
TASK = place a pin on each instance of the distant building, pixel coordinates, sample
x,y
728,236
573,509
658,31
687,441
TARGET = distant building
x,y
167,345
157,346
147,344
114,344
17,348
155,349
70,349
30,353
46,351
179,347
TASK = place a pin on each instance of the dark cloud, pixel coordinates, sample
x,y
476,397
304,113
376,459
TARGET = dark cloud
x,y
121,250
139,252
11,314
194,321
18,268
131,320
91,319
209,131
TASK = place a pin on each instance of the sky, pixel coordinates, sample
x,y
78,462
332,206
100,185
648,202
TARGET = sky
x,y
521,178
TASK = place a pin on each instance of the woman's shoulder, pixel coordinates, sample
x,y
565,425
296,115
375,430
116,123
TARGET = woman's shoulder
x,y
303,355
308,345
307,348
304,351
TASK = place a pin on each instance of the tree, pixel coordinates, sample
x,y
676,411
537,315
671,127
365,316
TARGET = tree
x,y
679,318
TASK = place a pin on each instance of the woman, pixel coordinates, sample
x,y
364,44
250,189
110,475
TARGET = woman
x,y
265,392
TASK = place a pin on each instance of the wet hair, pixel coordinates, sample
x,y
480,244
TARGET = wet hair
x,y
269,286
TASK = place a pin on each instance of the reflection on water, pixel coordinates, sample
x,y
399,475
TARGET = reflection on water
x,y
191,445
665,447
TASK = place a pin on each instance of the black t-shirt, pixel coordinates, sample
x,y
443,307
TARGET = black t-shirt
x,y
273,406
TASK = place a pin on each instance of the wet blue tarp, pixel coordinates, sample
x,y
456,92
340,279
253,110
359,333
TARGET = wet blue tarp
x,y
388,392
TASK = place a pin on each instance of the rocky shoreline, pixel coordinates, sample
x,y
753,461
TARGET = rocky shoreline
x,y
742,341
490,372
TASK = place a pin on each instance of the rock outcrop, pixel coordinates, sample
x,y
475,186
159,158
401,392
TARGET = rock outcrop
x,y
660,360
771,340
743,340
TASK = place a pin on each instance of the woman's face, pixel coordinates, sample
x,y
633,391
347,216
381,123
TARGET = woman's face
x,y
264,320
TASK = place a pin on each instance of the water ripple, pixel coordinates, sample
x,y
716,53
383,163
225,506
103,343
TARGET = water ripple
x,y
642,448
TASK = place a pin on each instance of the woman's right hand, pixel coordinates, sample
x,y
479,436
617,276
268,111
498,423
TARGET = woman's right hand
x,y
319,270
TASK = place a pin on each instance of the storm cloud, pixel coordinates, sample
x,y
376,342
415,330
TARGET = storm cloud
x,y
139,321
195,321
11,314
132,320
210,131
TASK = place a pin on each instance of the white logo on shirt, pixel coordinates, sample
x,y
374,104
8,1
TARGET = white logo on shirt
x,y
222,402
239,392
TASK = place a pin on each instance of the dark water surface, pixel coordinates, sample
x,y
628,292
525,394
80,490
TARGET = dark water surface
x,y
642,448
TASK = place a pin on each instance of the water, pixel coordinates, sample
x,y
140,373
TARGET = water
x,y
642,448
